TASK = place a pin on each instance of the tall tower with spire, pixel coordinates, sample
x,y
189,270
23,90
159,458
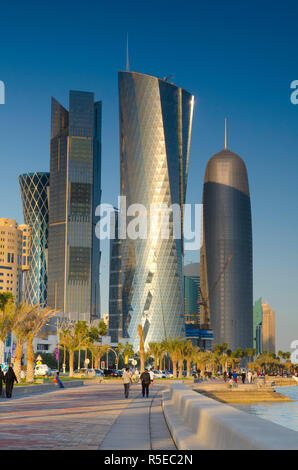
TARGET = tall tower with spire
x,y
227,230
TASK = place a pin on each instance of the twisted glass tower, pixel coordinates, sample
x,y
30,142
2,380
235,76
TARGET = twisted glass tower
x,y
155,131
227,231
34,191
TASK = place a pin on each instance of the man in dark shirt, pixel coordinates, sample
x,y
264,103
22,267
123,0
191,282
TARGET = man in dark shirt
x,y
145,378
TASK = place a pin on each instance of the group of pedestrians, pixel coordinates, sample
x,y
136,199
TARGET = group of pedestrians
x,y
233,376
8,379
147,378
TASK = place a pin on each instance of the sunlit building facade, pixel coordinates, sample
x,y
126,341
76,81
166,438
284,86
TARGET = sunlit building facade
x,y
75,189
34,191
155,132
268,329
14,256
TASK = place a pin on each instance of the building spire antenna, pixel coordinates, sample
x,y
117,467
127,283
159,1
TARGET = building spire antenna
x,y
127,55
226,138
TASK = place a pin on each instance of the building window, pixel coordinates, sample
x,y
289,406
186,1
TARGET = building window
x,y
42,347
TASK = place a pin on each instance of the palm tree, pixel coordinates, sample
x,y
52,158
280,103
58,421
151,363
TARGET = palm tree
x,y
20,329
161,353
222,352
81,330
249,353
69,340
202,358
154,350
190,354
93,336
102,329
98,350
128,352
5,298
174,349
7,319
29,322
36,320
119,350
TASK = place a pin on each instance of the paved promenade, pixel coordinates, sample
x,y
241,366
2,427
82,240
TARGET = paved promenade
x,y
85,418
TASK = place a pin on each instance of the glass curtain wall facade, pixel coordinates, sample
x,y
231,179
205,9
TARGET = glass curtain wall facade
x,y
257,325
227,230
115,287
192,294
155,131
75,191
34,192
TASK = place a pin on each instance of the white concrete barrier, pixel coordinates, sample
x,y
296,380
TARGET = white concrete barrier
x,y
199,422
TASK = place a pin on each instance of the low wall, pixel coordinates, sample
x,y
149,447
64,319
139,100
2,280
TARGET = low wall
x,y
24,390
199,422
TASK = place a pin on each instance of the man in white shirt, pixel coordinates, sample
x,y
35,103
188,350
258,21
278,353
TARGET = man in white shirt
x,y
126,381
151,373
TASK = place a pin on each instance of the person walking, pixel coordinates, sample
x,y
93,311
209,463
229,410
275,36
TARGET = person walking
x,y
127,378
243,377
145,378
151,373
1,380
9,379
58,381
235,377
249,376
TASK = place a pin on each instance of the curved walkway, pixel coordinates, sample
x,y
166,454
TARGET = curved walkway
x,y
141,426
84,418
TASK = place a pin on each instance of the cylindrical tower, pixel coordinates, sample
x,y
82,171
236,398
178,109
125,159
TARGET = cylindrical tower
x,y
227,231
34,192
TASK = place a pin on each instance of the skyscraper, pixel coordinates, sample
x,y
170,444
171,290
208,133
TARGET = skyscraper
x,y
268,328
227,231
14,256
34,191
75,173
191,293
257,325
115,287
155,131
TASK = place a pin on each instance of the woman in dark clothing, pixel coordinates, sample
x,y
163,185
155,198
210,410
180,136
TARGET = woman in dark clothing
x,y
9,379
1,380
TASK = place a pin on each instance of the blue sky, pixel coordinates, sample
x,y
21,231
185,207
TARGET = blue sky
x,y
238,58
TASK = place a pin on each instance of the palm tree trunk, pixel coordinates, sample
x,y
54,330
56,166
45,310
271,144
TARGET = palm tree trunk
x,y
71,361
174,368
30,361
18,359
79,359
64,358
188,367
142,361
180,366
2,347
155,362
